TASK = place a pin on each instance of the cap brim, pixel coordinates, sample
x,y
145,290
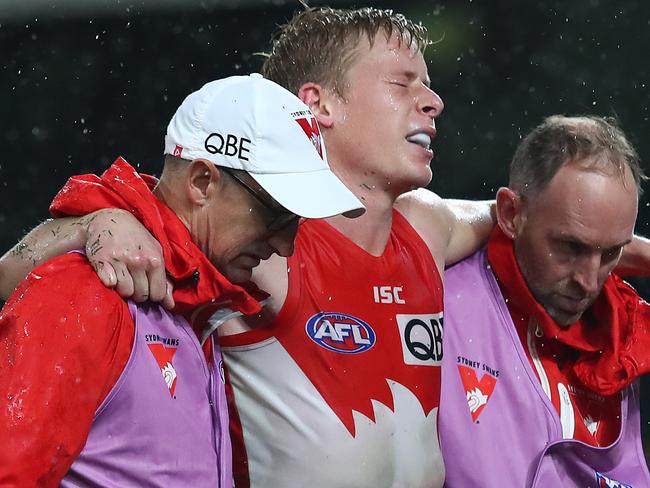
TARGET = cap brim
x,y
313,195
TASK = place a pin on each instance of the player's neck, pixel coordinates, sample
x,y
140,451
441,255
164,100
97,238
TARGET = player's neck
x,y
370,231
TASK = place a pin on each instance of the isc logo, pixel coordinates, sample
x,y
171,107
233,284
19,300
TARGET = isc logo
x,y
340,332
387,294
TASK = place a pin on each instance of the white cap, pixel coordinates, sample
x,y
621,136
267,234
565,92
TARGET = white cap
x,y
253,124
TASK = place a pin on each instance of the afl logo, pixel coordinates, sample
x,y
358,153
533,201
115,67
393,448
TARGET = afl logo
x,y
339,332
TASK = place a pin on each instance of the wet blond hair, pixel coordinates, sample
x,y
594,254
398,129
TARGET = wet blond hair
x,y
319,44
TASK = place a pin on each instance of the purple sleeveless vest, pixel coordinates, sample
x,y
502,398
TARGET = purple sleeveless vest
x,y
498,428
165,422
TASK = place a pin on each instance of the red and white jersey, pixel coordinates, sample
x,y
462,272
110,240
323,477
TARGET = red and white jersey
x,y
343,388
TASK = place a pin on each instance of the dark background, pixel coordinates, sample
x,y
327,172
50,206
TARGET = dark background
x,y
80,87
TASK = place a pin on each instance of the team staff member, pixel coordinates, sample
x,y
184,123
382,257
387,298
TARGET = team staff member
x,y
96,390
543,347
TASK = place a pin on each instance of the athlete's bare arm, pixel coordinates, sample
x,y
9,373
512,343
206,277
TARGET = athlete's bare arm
x,y
635,259
453,229
48,239
120,249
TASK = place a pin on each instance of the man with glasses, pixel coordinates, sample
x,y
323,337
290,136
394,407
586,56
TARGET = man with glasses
x,y
281,216
96,390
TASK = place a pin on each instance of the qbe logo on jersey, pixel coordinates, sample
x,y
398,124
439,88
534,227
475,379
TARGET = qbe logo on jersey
x,y
421,336
340,332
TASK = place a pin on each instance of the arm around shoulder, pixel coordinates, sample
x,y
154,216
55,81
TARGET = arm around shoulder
x,y
48,239
124,254
453,229
473,222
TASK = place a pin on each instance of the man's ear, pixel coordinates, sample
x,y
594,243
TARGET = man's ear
x,y
203,181
510,211
319,100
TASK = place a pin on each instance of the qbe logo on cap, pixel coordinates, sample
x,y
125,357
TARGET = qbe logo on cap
x,y
340,332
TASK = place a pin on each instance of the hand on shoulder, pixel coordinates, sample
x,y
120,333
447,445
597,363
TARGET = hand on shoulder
x,y
127,257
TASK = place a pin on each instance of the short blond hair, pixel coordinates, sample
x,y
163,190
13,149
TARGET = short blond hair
x,y
319,44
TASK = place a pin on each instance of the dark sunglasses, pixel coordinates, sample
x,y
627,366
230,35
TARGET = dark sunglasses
x,y
281,216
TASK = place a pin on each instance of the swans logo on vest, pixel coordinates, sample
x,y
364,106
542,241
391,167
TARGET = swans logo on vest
x,y
605,482
477,392
163,350
340,332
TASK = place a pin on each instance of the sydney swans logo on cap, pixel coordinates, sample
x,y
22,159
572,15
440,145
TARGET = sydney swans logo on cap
x,y
309,126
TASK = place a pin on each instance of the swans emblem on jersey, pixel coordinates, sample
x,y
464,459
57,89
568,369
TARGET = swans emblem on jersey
x,y
340,332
